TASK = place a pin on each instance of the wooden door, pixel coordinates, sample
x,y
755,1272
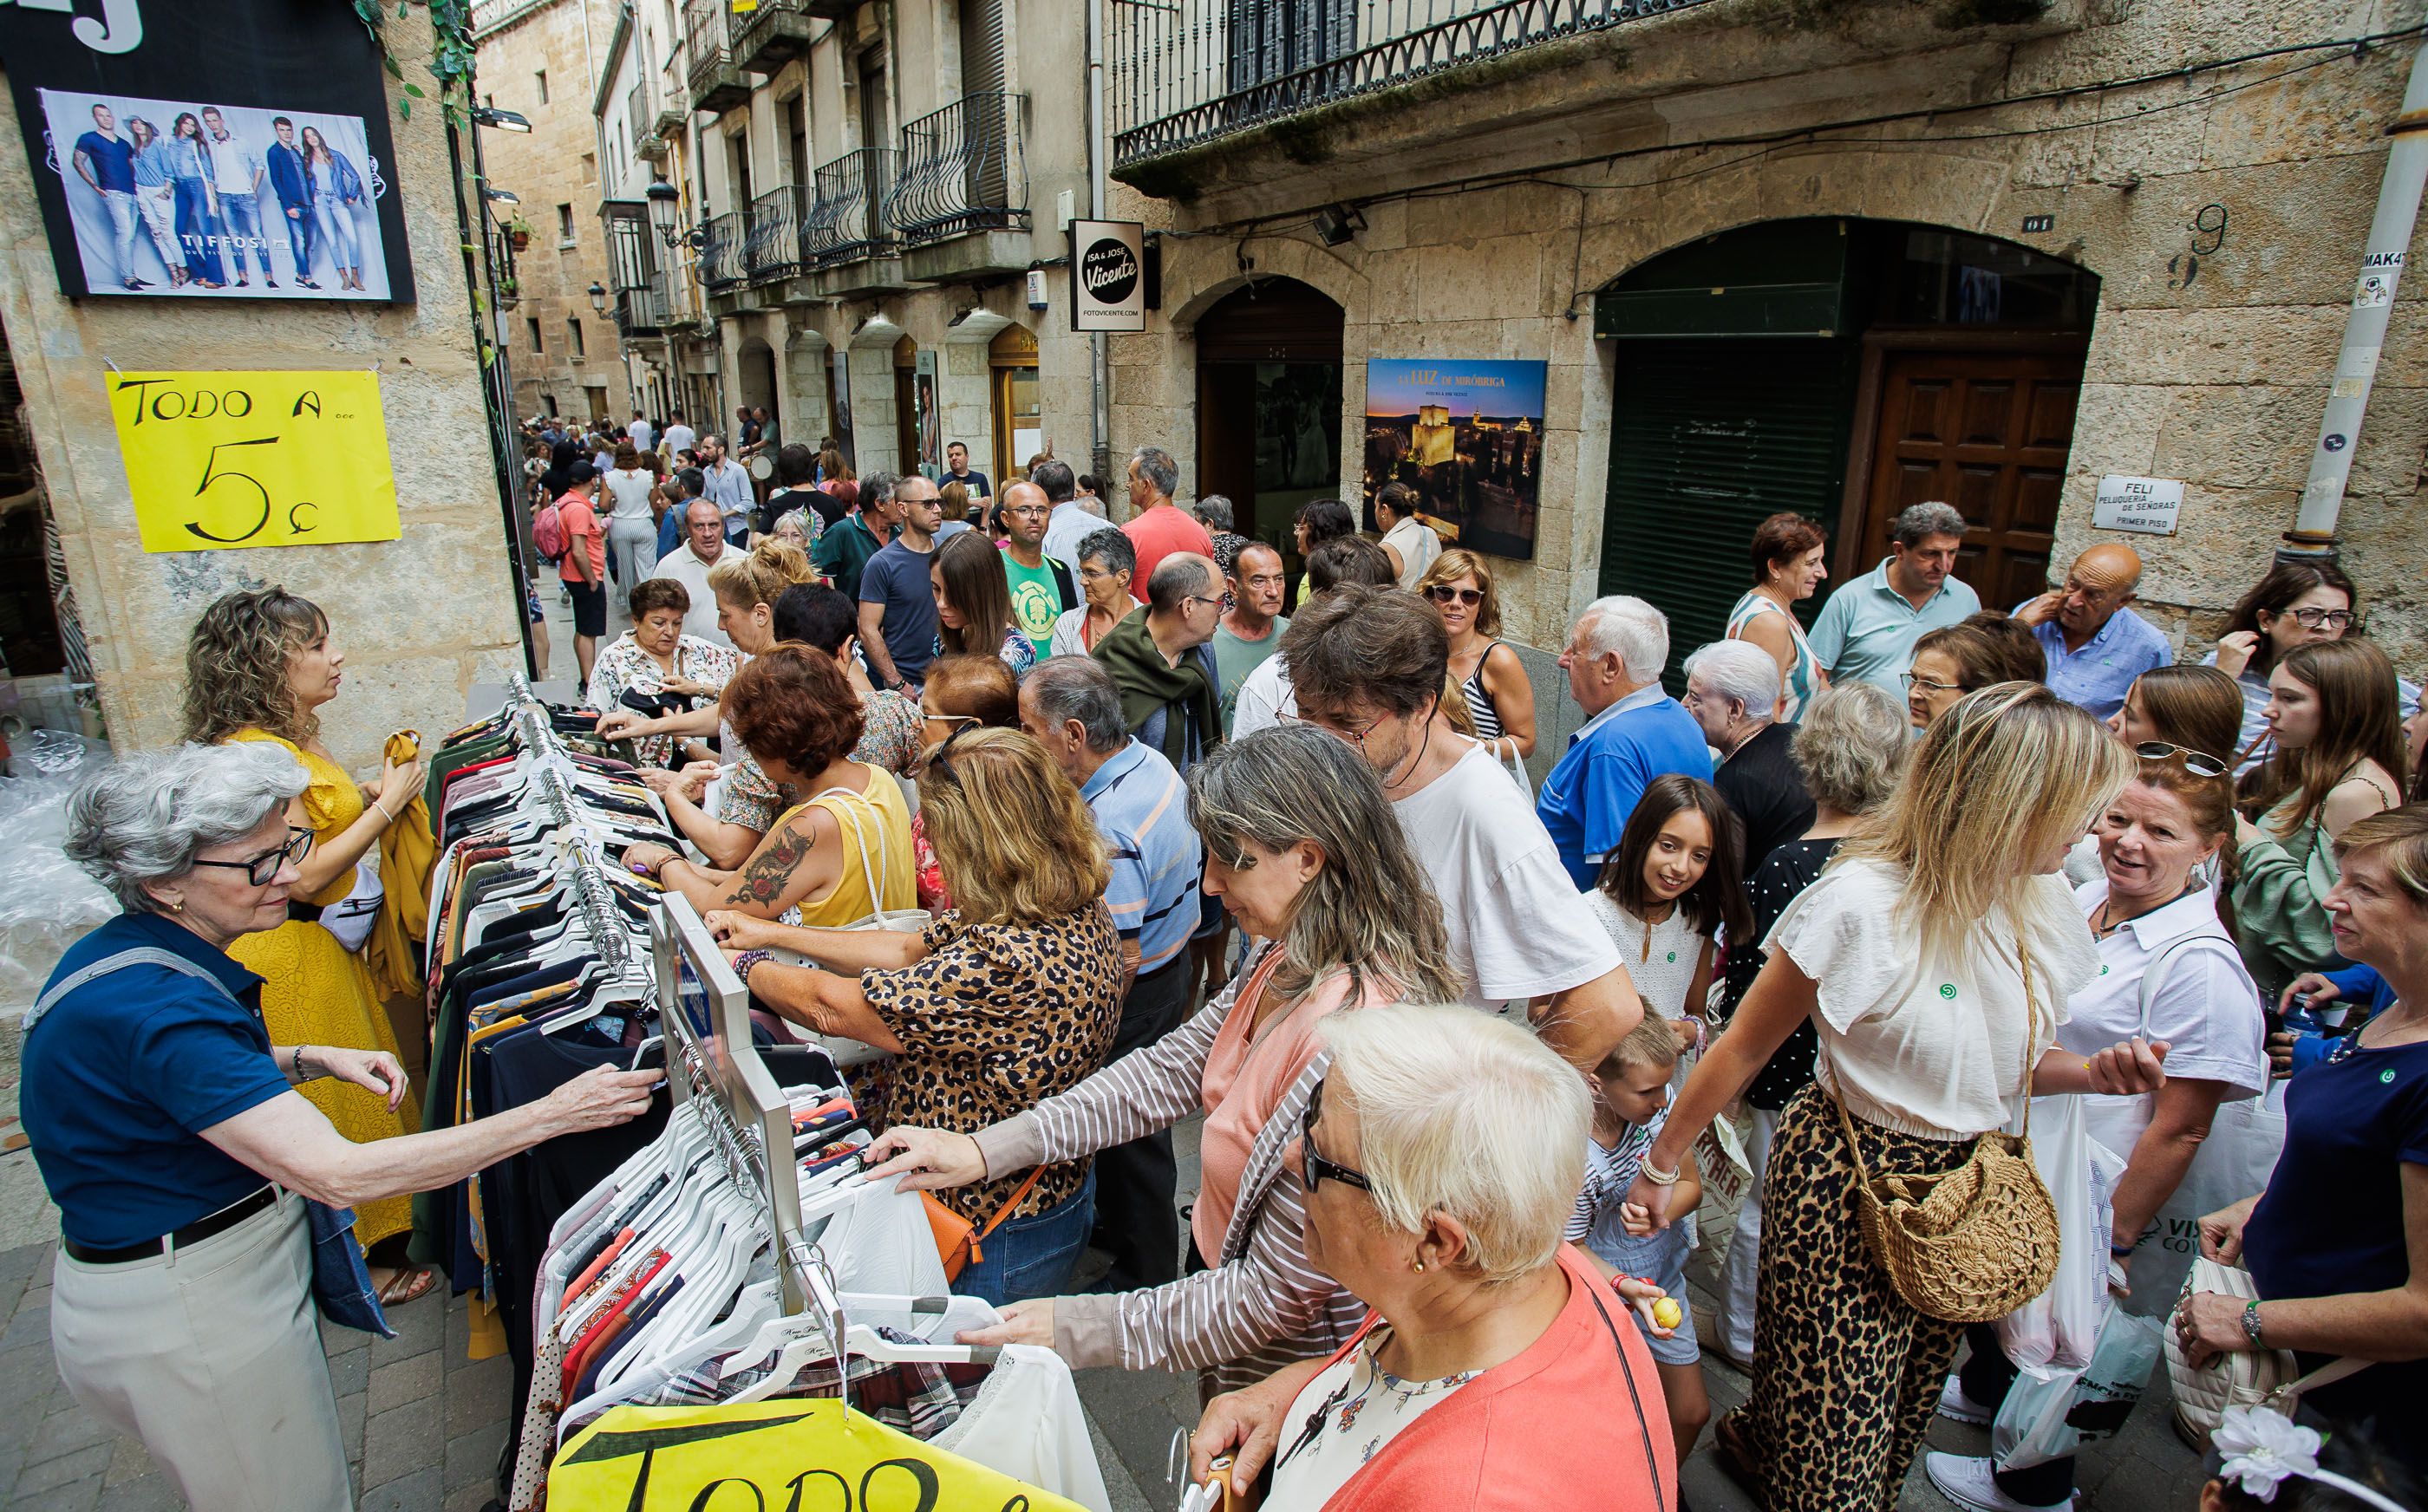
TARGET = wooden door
x,y
1987,432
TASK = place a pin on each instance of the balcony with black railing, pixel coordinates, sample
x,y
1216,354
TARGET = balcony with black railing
x,y
720,251
1190,71
962,171
771,245
716,81
641,312
772,35
647,144
845,239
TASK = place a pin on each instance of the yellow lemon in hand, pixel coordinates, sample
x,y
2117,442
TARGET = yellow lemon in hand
x,y
1666,1313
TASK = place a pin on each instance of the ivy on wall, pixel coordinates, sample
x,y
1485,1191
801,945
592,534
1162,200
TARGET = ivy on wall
x,y
451,56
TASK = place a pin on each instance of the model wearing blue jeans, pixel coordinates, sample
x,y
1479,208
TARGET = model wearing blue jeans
x,y
242,216
1032,1257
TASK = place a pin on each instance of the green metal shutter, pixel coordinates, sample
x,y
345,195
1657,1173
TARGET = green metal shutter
x,y
1707,438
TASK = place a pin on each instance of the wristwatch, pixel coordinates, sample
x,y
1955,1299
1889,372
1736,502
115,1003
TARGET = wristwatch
x,y
2250,1324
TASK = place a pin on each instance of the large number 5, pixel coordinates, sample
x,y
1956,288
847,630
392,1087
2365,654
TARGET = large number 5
x,y
211,475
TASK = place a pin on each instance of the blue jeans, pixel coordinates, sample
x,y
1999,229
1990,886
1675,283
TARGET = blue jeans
x,y
198,232
242,215
299,237
123,217
1031,1256
336,219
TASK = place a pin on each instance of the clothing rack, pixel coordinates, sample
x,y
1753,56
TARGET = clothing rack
x,y
715,1071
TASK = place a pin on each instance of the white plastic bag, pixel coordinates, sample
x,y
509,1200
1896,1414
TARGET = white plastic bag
x,y
2060,1326
2233,1162
47,903
2050,1413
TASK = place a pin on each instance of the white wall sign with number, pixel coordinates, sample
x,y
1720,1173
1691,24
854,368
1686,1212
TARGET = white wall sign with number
x,y
1107,276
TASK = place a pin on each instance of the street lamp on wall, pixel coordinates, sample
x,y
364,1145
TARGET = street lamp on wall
x,y
599,297
488,115
666,216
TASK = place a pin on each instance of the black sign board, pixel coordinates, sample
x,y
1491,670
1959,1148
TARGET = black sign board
x,y
232,150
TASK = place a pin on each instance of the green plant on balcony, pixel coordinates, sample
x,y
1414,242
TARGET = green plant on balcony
x,y
508,290
518,231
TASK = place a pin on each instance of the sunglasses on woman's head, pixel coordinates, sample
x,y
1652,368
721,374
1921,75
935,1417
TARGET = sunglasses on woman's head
x,y
1444,593
2198,763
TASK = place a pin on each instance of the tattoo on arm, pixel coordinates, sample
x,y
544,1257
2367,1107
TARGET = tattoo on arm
x,y
767,875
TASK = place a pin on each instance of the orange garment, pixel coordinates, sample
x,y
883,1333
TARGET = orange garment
x,y
1245,1079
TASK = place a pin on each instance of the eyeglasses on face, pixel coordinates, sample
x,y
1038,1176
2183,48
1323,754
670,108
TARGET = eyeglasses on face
x,y
1354,735
2323,618
1443,593
1199,598
262,869
1313,1168
2198,763
1914,680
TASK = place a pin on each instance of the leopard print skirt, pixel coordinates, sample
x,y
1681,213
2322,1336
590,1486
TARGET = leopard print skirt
x,y
1845,1375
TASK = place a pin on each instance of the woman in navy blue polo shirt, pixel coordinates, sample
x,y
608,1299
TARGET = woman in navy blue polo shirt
x,y
168,1131
2337,1245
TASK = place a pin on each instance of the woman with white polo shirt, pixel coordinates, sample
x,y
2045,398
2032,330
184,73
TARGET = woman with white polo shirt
x,y
2154,915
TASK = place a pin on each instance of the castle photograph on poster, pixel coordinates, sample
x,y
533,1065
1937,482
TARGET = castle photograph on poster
x,y
1467,436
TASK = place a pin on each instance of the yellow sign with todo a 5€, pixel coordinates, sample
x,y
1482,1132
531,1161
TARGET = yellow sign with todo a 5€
x,y
243,458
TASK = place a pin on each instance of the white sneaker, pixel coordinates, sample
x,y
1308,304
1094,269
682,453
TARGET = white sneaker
x,y
1970,1483
1954,1404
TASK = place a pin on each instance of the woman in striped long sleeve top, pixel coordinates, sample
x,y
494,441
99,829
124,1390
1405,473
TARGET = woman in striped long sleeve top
x,y
1302,848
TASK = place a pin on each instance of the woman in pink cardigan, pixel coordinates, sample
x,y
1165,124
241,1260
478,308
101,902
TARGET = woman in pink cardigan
x,y
1441,1155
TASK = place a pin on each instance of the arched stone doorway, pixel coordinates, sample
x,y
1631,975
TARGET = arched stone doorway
x,y
1842,369
1268,405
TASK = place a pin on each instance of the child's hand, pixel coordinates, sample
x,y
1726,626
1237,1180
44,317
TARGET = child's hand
x,y
1633,1218
1645,1298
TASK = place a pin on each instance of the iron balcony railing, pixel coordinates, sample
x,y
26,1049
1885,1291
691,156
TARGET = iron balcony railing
x,y
706,44
637,111
720,252
641,311
962,171
1187,71
771,246
846,216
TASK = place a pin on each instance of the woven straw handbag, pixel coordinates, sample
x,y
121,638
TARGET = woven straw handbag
x,y
1972,1244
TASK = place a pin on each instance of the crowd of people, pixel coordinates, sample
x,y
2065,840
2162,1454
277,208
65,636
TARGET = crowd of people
x,y
1162,833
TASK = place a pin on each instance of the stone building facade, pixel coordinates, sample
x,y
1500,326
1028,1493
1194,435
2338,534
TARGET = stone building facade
x,y
542,60
420,618
2011,248
858,193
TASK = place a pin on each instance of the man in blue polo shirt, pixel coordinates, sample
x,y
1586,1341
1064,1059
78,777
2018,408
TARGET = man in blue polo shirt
x,y
105,161
1072,707
1867,628
1632,734
2095,645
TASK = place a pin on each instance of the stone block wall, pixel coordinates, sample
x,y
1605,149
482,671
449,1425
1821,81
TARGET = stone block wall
x,y
2218,380
420,618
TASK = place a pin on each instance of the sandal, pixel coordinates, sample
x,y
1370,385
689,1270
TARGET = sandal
x,y
1734,1456
411,1284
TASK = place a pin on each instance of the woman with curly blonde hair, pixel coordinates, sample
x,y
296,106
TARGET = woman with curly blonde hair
x,y
259,665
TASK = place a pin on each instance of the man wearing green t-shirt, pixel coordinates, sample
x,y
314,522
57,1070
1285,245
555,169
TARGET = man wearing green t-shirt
x,y
1251,629
1041,587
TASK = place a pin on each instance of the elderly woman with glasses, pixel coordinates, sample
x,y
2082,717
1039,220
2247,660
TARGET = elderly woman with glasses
x,y
1302,850
1008,999
1442,1152
168,1131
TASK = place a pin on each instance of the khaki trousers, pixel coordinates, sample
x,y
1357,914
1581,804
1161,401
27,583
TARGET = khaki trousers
x,y
211,1355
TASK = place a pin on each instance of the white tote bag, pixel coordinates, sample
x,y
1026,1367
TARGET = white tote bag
x,y
2233,1162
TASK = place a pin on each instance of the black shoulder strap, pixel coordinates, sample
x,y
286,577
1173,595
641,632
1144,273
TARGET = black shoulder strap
x,y
1063,588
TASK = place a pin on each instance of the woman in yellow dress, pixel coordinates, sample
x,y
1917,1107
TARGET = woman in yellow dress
x,y
258,666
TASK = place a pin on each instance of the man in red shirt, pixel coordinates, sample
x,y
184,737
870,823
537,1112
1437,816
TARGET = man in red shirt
x,y
1160,527
584,569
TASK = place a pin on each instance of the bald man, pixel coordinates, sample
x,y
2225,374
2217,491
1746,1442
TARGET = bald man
x,y
2095,645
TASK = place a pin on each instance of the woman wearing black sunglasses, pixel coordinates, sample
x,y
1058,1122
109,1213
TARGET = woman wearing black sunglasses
x,y
1443,1153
